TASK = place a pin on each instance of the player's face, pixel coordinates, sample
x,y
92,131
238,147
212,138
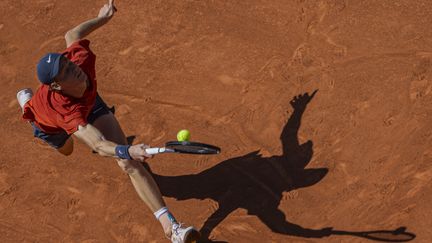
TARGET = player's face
x,y
71,78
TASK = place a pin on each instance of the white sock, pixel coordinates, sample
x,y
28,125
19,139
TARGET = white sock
x,y
163,211
159,213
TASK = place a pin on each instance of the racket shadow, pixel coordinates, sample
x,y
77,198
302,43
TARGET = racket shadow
x,y
256,183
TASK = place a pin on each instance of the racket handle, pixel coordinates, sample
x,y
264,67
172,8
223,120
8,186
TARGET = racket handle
x,y
155,150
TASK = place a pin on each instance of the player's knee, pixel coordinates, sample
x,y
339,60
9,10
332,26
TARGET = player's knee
x,y
67,148
66,153
127,166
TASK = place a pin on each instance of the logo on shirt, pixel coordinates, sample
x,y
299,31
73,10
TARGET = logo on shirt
x,y
49,59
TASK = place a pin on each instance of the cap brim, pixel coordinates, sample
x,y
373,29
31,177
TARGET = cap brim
x,y
56,67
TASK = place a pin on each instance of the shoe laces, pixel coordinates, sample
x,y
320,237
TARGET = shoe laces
x,y
176,227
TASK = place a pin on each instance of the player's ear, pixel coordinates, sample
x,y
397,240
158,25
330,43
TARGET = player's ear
x,y
55,86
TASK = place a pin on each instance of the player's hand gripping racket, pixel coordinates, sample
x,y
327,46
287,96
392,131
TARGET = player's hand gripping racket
x,y
184,147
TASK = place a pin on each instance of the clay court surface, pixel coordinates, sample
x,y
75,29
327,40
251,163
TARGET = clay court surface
x,y
356,157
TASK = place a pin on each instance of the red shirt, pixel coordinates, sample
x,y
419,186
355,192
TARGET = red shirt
x,y
54,112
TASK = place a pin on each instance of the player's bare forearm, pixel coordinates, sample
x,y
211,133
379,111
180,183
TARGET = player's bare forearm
x,y
105,148
95,140
85,28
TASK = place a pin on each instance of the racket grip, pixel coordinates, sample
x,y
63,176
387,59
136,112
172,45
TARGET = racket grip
x,y
155,150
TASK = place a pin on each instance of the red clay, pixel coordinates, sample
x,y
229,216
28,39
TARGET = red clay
x,y
357,157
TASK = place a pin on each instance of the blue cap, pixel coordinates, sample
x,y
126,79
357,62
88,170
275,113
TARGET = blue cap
x,y
48,67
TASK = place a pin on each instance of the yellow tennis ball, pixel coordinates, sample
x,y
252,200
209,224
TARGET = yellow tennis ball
x,y
183,135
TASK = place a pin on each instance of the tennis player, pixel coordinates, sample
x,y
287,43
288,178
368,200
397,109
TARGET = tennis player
x,y
67,103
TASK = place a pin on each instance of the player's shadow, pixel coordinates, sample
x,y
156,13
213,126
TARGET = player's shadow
x,y
255,183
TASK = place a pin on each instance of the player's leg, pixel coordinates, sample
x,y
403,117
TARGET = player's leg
x,y
141,179
61,141
67,148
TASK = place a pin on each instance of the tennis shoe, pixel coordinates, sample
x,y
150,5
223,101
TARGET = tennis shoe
x,y
23,96
182,234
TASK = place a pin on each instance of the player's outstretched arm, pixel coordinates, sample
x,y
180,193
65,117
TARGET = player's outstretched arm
x,y
85,28
95,140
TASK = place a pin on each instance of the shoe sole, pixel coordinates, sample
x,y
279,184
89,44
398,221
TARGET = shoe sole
x,y
192,237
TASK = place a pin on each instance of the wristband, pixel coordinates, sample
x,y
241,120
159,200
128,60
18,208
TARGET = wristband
x,y
122,151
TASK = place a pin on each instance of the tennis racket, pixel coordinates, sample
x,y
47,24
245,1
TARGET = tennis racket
x,y
184,148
